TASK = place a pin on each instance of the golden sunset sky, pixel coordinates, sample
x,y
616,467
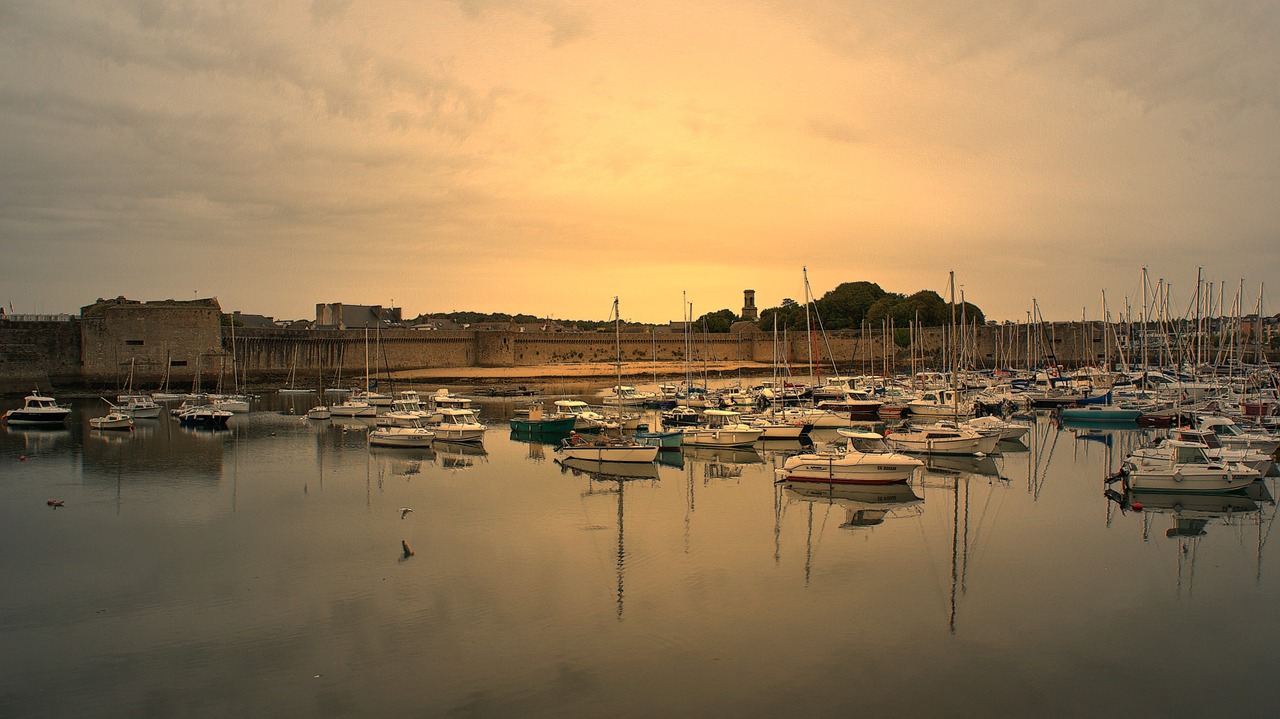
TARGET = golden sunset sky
x,y
543,157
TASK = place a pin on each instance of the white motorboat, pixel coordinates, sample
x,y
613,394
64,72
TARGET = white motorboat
x,y
724,428
604,449
373,399
140,407
622,395
458,425
37,409
320,411
812,416
1233,436
585,418
237,403
401,437
942,403
1213,449
1184,468
849,467
1007,431
353,408
940,440
444,399
778,430
112,420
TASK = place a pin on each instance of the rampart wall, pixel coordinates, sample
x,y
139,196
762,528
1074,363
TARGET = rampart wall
x,y
148,339
188,340
38,354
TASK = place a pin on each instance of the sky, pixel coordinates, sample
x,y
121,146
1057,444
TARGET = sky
x,y
545,157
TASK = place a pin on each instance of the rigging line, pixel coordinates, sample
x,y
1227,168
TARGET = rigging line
x,y
982,517
924,539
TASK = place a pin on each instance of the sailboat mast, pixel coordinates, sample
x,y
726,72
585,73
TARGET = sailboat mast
x,y
955,387
617,345
808,328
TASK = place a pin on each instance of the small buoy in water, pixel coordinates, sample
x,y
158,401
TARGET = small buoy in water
x,y
405,546
1136,506
54,503
22,458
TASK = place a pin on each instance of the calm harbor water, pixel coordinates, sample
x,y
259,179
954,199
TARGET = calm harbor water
x,y
259,572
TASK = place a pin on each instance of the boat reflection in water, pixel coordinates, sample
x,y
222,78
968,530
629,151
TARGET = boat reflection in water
x,y
459,455
1190,516
37,438
403,460
612,478
605,471
864,505
719,462
961,464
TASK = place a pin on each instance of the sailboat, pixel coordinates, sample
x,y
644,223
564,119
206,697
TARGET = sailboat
x,y
354,407
320,411
293,376
234,402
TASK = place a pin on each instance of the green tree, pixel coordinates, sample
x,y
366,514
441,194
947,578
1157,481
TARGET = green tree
x,y
719,321
846,306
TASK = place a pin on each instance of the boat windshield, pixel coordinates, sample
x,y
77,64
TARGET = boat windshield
x,y
1191,455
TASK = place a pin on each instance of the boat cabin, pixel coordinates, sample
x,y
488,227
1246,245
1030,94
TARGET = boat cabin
x,y
720,418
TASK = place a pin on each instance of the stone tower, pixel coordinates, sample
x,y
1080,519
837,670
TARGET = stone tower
x,y
749,305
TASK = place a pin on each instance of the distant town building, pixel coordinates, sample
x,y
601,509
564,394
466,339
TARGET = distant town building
x,y
240,319
343,317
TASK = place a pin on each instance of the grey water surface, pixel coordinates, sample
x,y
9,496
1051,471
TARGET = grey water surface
x,y
259,572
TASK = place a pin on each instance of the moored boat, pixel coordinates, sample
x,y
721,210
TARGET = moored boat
x,y
668,439
37,409
604,449
940,440
205,416
1184,468
849,467
400,437
112,420
723,429
457,425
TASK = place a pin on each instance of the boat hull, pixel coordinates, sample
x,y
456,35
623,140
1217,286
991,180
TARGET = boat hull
x,y
400,437
704,437
610,453
852,468
1212,481
544,426
33,418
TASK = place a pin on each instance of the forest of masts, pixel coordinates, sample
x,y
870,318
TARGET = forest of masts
x,y
1202,336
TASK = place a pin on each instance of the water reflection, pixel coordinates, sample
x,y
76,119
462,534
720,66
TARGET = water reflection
x,y
612,478
459,455
34,439
864,506
1189,518
720,462
961,464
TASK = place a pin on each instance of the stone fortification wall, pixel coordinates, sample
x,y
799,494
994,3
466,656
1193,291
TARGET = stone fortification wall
x,y
188,338
38,354
150,337
276,353
570,347
314,354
